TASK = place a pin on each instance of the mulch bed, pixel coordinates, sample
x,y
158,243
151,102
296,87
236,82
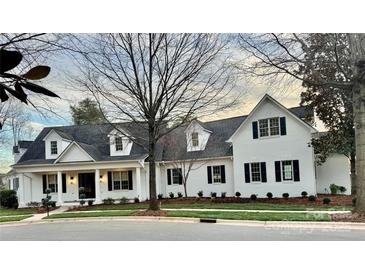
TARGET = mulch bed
x,y
160,213
348,217
341,200
44,210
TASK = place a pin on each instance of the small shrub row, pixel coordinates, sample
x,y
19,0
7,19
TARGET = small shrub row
x,y
336,188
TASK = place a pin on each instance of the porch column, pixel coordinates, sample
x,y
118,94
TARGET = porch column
x,y
138,183
59,188
97,187
20,192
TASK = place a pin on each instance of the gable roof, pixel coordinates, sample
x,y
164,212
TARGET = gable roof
x,y
64,152
295,112
94,140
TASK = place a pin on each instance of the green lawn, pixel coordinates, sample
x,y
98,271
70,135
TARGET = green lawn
x,y
280,216
247,206
13,218
19,211
84,214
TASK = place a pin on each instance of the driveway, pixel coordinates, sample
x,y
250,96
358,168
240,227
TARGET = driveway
x,y
117,230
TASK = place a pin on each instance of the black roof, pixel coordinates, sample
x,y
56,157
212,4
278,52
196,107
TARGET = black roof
x,y
22,144
95,141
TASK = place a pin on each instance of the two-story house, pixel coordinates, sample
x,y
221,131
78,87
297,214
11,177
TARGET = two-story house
x,y
267,151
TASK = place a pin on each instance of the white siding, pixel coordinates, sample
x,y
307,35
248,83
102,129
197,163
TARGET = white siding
x,y
293,146
75,154
336,170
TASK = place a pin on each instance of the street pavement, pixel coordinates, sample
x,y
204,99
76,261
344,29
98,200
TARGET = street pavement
x,y
115,230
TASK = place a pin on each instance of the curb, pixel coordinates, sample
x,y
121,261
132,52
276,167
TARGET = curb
x,y
247,223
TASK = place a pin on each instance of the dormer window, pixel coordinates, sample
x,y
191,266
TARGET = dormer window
x,y
269,127
118,143
195,139
54,147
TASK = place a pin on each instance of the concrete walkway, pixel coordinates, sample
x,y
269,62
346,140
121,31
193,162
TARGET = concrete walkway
x,y
38,217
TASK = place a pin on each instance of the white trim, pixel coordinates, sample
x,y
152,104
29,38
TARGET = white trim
x,y
268,97
198,123
67,148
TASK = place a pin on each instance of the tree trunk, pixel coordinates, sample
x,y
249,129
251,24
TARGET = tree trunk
x,y
353,173
152,169
185,191
359,116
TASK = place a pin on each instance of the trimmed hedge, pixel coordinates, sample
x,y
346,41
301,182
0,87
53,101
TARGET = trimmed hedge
x,y
8,198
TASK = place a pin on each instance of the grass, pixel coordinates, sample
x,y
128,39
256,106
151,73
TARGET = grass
x,y
13,218
85,214
279,216
245,206
19,211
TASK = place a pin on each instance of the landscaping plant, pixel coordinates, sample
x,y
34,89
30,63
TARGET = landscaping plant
x,y
223,194
286,195
136,200
160,196
213,194
238,194
82,195
172,195
108,201
123,200
326,201
342,189
90,202
8,199
269,195
311,198
304,194
334,188
179,194
253,197
200,193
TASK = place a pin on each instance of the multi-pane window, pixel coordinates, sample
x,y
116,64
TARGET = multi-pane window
x,y
217,176
255,172
52,182
195,139
274,126
175,176
118,143
287,170
16,184
269,127
120,180
53,147
264,127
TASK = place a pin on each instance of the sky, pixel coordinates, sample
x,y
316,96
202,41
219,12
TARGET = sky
x,y
252,89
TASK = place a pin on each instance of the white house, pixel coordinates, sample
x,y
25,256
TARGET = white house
x,y
267,151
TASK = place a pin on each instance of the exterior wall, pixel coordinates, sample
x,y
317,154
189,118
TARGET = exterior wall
x,y
198,179
75,154
293,146
336,170
61,145
127,146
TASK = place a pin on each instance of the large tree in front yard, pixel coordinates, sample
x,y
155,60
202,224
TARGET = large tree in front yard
x,y
331,68
161,80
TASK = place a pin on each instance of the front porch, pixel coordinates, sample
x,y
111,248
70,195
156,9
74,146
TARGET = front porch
x,y
98,183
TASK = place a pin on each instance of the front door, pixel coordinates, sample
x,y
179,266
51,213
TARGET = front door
x,y
87,181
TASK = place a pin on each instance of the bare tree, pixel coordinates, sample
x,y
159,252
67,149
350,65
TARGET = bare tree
x,y
155,80
287,56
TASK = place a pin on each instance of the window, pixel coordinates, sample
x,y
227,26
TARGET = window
x,y
16,184
217,177
287,170
118,143
274,126
120,180
52,182
269,127
54,147
175,176
264,128
255,172
195,139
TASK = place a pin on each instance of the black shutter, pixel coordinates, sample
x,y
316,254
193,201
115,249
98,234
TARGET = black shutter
x,y
277,171
180,176
209,171
263,172
282,126
44,179
247,172
255,133
130,179
223,174
110,181
64,185
296,170
169,176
